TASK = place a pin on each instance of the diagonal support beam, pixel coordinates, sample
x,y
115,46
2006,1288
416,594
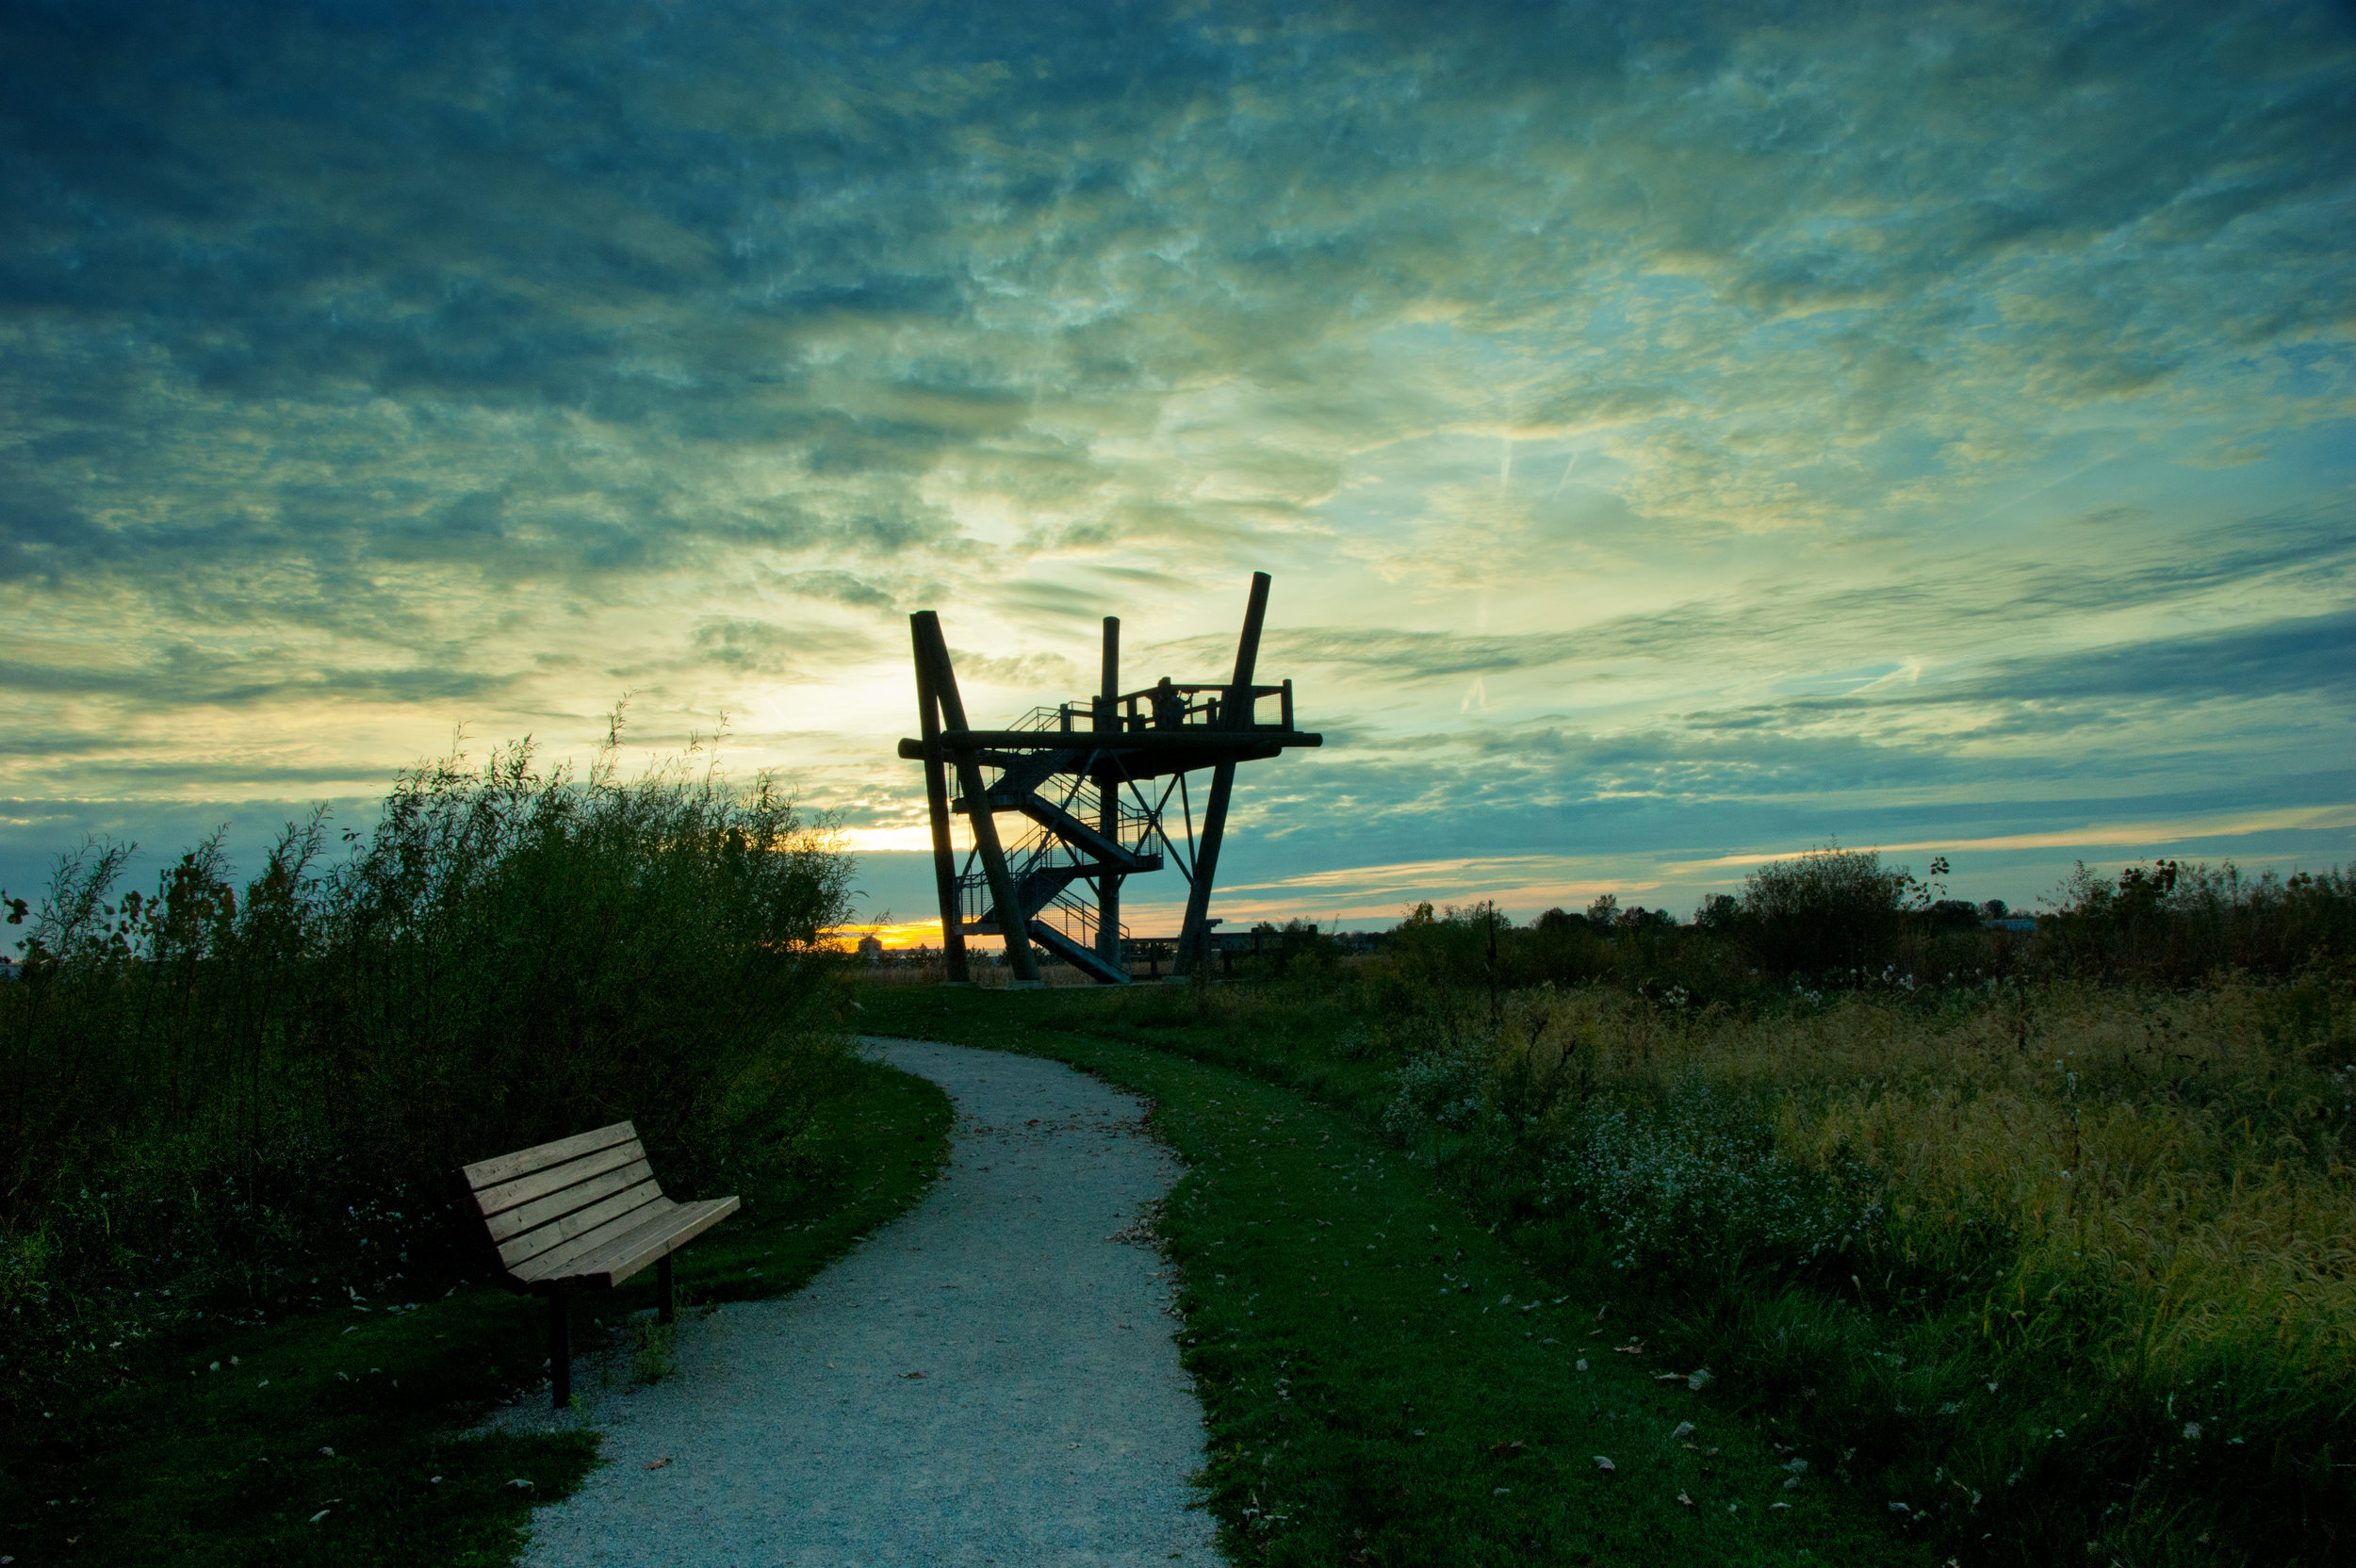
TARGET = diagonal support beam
x,y
934,652
1236,711
937,806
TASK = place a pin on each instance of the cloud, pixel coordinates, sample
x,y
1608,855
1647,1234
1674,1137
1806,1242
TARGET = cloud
x,y
1672,374
793,648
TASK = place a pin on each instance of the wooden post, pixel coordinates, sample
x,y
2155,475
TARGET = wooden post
x,y
1012,923
1193,937
561,1348
1109,799
937,802
666,1310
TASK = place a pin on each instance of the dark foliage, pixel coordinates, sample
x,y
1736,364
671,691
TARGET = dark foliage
x,y
233,1101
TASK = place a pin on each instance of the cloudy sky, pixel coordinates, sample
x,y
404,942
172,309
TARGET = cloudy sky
x,y
1679,434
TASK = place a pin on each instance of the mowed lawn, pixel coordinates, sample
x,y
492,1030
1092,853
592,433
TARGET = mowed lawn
x,y
1385,1383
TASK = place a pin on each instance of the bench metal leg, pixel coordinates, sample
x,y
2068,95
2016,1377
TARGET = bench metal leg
x,y
561,1349
666,1310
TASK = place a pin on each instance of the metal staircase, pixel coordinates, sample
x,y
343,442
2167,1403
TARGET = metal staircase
x,y
1062,846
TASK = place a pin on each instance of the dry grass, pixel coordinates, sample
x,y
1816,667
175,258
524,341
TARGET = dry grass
x,y
2172,1166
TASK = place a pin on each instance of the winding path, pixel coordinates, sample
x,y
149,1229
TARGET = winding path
x,y
1052,1422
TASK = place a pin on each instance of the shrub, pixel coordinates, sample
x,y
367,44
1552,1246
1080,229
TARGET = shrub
x,y
232,1101
1827,911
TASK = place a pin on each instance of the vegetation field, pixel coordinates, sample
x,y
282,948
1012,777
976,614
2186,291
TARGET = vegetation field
x,y
2044,1261
245,1319
1834,1225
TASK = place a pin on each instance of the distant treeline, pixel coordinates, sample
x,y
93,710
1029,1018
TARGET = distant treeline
x,y
229,1102
1840,919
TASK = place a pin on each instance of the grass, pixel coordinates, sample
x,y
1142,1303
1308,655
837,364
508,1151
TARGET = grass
x,y
1852,1207
1385,1379
338,1438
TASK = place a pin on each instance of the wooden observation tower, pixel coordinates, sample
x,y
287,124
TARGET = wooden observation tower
x,y
1094,781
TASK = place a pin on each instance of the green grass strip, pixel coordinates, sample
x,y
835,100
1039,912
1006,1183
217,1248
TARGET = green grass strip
x,y
337,1439
1384,1382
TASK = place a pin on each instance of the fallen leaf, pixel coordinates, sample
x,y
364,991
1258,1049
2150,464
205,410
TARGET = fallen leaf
x,y
1514,1447
1604,1464
1686,1500
1685,1429
320,1515
1701,1375
657,1464
1902,1508
911,1373
519,1481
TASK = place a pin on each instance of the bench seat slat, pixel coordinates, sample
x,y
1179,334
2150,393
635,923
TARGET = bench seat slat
x,y
616,1258
523,1189
564,1265
562,1231
563,1201
484,1173
558,1260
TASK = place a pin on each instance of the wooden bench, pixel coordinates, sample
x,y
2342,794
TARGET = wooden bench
x,y
583,1213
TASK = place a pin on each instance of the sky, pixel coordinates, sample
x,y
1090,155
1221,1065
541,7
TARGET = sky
x,y
1680,435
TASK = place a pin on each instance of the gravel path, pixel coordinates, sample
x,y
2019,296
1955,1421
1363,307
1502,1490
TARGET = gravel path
x,y
1052,1422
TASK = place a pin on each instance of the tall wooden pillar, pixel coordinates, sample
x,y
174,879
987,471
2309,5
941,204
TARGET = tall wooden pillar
x,y
1235,712
936,803
1108,797
1012,923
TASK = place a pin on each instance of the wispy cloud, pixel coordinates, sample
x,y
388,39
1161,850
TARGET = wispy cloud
x,y
1622,398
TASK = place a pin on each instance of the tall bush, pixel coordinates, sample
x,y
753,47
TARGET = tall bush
x,y
1833,910
231,1099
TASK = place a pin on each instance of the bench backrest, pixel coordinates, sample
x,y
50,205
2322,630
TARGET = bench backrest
x,y
544,1206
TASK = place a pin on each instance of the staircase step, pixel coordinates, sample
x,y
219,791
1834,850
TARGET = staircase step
x,y
1084,959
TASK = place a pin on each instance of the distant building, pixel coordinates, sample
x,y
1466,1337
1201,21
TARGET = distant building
x,y
871,949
